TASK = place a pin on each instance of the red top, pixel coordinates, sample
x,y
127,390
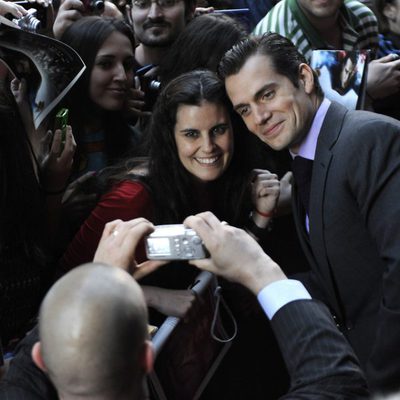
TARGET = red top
x,y
126,200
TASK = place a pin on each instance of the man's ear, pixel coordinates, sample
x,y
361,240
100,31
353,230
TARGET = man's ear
x,y
147,357
37,356
306,78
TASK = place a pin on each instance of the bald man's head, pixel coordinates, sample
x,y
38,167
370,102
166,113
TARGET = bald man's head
x,y
93,331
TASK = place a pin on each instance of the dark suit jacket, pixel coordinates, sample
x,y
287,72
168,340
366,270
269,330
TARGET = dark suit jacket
x,y
320,362
354,241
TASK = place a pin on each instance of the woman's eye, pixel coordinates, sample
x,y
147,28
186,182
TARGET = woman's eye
x,y
191,134
104,64
219,130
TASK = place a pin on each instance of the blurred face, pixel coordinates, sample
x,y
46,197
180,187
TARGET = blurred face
x,y
204,139
320,9
347,73
112,73
391,11
158,25
270,105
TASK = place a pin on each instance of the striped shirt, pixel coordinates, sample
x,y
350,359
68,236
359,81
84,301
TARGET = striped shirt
x,y
359,27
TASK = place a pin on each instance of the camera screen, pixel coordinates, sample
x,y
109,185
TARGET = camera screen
x,y
159,246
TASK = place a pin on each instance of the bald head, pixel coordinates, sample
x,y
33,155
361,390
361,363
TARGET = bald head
x,y
93,331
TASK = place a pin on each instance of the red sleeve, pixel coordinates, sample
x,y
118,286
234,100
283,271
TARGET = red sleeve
x,y
125,201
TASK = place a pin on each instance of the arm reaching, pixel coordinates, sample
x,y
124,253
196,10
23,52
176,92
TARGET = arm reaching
x,y
235,255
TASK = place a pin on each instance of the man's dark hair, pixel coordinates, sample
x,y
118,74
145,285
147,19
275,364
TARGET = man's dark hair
x,y
283,54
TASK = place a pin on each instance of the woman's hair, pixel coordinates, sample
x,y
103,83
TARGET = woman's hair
x,y
86,36
170,182
202,44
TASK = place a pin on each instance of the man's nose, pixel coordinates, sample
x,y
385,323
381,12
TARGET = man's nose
x,y
261,115
155,11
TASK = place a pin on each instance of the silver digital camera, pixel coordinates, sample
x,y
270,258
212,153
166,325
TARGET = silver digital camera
x,y
29,22
174,242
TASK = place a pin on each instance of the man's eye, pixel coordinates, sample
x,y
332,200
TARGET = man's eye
x,y
243,111
167,3
141,3
268,95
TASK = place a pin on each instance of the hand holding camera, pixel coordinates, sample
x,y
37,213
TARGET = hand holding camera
x,y
72,10
9,7
34,16
235,255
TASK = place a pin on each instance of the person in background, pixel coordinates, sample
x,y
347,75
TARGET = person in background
x,y
338,25
388,13
29,199
201,44
98,108
98,103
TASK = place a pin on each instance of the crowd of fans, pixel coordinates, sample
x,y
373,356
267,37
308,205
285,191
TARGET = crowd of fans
x,y
159,132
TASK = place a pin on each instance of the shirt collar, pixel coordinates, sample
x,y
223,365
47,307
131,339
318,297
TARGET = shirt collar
x,y
309,145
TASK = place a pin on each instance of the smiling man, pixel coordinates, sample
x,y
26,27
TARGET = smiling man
x,y
345,197
157,23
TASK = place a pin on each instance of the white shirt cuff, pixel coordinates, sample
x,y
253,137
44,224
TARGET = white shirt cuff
x,y
277,294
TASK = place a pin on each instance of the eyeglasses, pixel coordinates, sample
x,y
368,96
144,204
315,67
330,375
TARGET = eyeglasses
x,y
144,4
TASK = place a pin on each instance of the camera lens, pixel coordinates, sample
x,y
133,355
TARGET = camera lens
x,y
98,5
154,85
33,25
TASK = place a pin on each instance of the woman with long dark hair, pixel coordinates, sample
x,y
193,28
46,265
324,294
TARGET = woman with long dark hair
x,y
98,103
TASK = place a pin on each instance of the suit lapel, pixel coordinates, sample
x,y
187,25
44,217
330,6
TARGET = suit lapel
x,y
330,132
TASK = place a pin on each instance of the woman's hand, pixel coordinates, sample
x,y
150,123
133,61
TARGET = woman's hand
x,y
265,189
57,162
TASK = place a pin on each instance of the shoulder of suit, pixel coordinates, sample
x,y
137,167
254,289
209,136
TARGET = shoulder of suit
x,y
360,127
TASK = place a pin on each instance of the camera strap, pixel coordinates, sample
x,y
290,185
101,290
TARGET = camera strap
x,y
216,325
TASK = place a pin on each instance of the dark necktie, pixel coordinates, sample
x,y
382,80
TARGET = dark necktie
x,y
302,172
